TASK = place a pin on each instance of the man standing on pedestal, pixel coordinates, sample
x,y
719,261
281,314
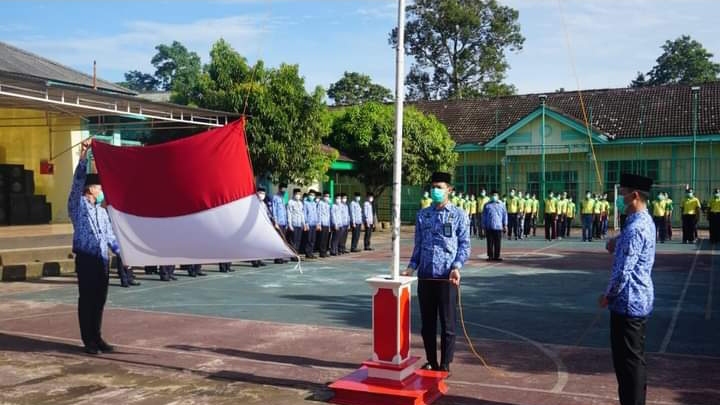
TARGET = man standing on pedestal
x,y
442,245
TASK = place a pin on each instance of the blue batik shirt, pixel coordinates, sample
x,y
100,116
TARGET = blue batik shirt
x,y
368,213
336,214
296,213
345,214
323,211
356,213
92,232
311,212
278,210
442,241
495,216
630,290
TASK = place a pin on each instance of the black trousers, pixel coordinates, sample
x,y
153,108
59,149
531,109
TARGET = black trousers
x,y
355,236
550,226
714,219
342,246
528,224
324,240
493,239
568,225
93,275
295,236
335,240
310,236
627,340
124,273
224,267
367,236
597,231
512,225
660,227
438,299
561,224
166,271
688,222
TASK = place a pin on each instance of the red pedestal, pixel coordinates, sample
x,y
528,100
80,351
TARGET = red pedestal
x,y
391,376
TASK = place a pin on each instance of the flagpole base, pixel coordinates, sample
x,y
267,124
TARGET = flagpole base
x,y
418,388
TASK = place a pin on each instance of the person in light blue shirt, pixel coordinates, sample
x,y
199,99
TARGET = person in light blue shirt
x,y
368,220
296,219
342,245
630,293
442,246
336,221
313,223
279,214
356,222
495,221
93,239
323,210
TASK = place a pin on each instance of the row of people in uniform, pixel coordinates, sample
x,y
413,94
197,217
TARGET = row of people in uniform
x,y
312,223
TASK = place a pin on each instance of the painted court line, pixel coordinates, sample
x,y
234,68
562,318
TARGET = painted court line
x,y
678,307
18,318
711,283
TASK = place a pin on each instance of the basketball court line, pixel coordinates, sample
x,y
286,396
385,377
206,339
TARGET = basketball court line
x,y
711,283
678,307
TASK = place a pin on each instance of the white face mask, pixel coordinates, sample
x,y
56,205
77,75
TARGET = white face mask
x,y
261,196
338,201
357,199
370,199
344,200
326,198
298,197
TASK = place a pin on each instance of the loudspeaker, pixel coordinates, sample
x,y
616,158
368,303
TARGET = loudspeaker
x,y
29,181
40,212
14,178
4,214
19,209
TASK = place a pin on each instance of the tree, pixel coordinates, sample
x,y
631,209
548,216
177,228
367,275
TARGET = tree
x,y
365,133
458,47
639,81
683,61
140,82
356,88
178,70
286,125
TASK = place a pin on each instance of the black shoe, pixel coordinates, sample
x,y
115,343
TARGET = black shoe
x,y
333,254
200,273
91,350
173,278
104,347
310,257
429,366
278,261
133,282
124,285
261,263
254,264
445,369
369,248
164,278
354,250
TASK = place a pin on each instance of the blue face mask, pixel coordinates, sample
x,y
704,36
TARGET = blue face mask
x,y
100,198
438,195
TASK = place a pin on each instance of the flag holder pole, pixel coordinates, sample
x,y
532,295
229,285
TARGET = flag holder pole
x,y
392,375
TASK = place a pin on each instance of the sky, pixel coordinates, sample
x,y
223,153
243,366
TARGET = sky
x,y
569,44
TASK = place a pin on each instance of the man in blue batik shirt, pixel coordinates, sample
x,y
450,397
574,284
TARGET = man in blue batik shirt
x,y
629,294
323,211
442,245
93,238
279,214
313,224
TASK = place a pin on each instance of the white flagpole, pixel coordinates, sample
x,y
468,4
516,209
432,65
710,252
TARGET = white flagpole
x,y
397,165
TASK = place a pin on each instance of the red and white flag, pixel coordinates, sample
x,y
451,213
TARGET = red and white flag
x,y
189,201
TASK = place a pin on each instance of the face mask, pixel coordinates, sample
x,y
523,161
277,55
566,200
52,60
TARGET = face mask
x,y
338,201
357,199
282,191
689,194
717,194
311,197
512,194
261,196
100,198
298,197
344,200
370,199
494,198
438,194
661,197
326,198
482,193
552,195
588,195
426,195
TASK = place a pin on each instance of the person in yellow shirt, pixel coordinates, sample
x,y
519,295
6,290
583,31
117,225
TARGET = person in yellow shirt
x,y
570,215
535,211
527,222
691,208
521,215
587,207
484,199
604,215
597,213
668,214
714,217
472,210
513,206
658,213
550,217
425,201
561,214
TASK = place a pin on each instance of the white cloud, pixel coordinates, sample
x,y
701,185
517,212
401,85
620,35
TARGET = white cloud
x,y
133,48
384,11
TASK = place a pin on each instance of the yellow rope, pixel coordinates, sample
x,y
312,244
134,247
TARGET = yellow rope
x,y
580,95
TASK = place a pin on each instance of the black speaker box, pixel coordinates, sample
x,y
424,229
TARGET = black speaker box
x,y
39,211
19,209
14,178
29,180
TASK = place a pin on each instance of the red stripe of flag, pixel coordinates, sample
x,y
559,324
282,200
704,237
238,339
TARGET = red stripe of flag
x,y
176,178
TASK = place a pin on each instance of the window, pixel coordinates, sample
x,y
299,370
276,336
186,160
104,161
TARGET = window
x,y
470,179
556,182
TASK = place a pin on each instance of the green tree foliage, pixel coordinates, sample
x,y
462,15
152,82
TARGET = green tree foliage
x,y
356,88
140,82
458,47
286,125
683,61
366,132
178,70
